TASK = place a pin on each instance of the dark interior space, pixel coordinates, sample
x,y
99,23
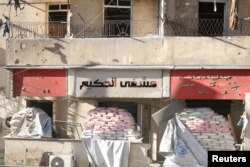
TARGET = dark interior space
x,y
117,22
211,18
58,16
45,105
118,2
219,106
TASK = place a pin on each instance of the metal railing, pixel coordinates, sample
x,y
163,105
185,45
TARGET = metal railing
x,y
67,130
113,28
129,28
38,30
205,27
110,28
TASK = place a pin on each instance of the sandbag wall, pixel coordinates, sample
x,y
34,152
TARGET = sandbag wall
x,y
110,124
210,129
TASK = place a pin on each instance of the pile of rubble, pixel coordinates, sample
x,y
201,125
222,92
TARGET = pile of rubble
x,y
210,129
110,124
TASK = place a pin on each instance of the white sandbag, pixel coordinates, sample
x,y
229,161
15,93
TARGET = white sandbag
x,y
17,117
15,123
35,123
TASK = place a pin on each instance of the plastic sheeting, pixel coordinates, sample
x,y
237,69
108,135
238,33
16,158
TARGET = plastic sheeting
x,y
31,122
180,148
107,153
233,14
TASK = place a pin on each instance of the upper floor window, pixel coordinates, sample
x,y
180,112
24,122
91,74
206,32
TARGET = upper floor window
x,y
117,15
59,7
58,20
211,18
121,3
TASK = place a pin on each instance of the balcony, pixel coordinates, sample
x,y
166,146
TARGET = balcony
x,y
127,28
205,27
116,28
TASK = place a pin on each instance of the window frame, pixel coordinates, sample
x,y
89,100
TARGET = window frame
x,y
117,4
226,14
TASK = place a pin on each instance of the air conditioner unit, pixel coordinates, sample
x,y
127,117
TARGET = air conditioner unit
x,y
61,161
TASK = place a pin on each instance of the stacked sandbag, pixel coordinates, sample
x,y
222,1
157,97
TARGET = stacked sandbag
x,y
16,120
30,122
110,124
210,129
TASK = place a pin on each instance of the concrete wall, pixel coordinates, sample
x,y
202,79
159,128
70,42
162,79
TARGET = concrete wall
x,y
220,51
144,17
87,18
31,152
182,9
30,13
2,50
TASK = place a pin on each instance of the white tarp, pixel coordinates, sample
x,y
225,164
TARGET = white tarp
x,y
180,148
31,122
107,153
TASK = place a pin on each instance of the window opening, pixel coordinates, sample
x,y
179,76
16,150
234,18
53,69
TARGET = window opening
x,y
211,18
117,16
118,3
58,17
45,105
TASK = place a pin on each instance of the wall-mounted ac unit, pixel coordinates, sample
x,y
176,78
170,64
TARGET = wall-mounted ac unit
x,y
61,161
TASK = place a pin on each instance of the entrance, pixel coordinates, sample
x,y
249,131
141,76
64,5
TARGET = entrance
x,y
234,108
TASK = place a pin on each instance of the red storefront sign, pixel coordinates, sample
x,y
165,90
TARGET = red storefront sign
x,y
40,83
210,84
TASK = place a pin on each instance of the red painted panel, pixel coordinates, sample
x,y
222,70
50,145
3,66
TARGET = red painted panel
x,y
209,84
39,83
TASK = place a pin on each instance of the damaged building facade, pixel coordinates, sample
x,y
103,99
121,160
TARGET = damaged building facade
x,y
68,57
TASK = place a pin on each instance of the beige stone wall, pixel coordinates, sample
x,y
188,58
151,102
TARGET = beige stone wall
x,y
87,18
144,17
244,12
2,50
197,51
30,13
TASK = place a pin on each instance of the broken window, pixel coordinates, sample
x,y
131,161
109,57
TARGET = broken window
x,y
58,17
211,18
117,16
